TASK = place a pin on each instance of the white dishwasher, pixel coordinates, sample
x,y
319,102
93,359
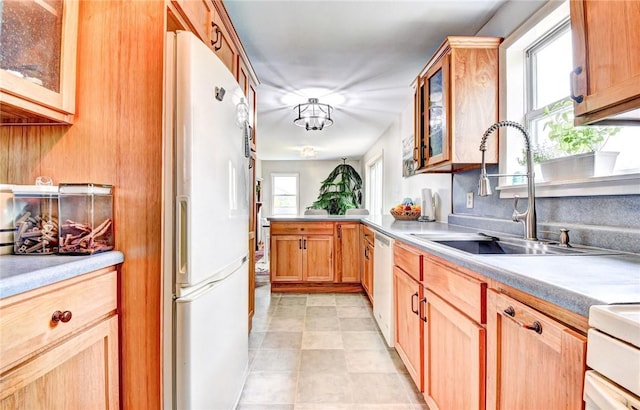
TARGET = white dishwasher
x,y
383,307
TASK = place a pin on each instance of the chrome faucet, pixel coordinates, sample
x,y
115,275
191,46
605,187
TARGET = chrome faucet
x,y
528,217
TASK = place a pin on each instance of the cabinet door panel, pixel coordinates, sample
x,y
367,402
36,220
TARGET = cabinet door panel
x,y
80,373
527,369
454,358
318,258
198,14
408,338
348,259
436,126
286,258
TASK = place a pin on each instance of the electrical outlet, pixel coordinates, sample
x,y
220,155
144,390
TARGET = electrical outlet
x,y
469,199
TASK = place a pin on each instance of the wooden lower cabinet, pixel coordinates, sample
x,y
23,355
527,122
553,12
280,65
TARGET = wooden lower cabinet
x,y
296,258
367,252
454,362
71,363
409,324
533,361
347,236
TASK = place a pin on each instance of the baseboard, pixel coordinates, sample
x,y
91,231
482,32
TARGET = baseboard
x,y
316,287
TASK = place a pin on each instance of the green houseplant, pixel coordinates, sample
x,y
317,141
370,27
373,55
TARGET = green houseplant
x,y
340,191
572,152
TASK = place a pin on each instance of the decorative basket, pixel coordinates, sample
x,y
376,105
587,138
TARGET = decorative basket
x,y
405,215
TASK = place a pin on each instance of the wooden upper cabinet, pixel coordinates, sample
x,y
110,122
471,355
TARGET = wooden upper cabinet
x,y
198,16
606,57
456,100
38,61
533,361
221,42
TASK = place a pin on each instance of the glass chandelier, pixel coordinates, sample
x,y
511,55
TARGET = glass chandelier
x,y
313,115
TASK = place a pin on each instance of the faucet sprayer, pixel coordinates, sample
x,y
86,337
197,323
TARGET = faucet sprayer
x,y
528,217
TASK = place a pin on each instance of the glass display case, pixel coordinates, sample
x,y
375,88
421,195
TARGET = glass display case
x,y
37,61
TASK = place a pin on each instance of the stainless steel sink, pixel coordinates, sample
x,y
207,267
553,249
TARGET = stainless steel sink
x,y
480,244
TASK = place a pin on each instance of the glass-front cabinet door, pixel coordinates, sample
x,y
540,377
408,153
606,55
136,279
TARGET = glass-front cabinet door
x,y
38,41
436,144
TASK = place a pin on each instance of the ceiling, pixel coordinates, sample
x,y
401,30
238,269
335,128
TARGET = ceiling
x,y
359,56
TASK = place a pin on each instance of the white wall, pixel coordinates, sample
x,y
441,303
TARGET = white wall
x,y
396,187
311,174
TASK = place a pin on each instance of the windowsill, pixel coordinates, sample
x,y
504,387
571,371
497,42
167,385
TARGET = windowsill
x,y
625,184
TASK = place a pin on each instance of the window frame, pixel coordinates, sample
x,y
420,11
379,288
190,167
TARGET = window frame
x,y
374,197
513,104
275,175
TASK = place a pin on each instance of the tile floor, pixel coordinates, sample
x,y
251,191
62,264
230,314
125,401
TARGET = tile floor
x,y
322,352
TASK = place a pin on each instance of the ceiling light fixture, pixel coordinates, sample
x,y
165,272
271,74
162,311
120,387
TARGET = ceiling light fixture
x,y
308,152
313,115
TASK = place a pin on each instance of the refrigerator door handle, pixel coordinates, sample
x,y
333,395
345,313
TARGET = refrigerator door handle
x,y
182,218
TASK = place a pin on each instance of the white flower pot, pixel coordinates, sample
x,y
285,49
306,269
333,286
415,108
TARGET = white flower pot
x,y
591,164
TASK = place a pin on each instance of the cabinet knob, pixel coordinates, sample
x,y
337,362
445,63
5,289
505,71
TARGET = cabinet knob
x,y
535,326
510,311
577,98
59,316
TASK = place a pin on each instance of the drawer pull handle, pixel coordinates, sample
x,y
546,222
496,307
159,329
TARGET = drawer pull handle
x,y
535,326
59,316
510,311
415,295
577,98
423,302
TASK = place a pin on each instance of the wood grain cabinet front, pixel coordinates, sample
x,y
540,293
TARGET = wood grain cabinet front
x,y
347,239
533,361
605,80
367,257
299,257
38,64
60,345
456,99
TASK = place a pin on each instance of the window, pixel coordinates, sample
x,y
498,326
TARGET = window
x,y
285,194
374,186
537,62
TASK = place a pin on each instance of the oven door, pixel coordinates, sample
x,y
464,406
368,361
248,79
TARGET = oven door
x,y
601,394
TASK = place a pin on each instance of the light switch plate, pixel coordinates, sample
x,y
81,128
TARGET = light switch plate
x,y
469,199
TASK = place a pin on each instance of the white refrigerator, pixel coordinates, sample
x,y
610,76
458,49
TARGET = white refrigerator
x,y
205,237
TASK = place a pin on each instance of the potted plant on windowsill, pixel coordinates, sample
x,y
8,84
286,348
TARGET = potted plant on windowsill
x,y
573,152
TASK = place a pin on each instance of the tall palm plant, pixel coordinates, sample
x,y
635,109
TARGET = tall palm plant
x,y
341,190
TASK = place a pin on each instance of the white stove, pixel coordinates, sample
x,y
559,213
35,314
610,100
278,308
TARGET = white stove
x,y
613,352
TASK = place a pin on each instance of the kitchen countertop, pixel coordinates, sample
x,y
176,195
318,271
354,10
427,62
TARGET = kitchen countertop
x,y
21,273
574,282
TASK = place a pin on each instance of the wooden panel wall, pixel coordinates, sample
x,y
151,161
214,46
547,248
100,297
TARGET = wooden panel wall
x,y
116,139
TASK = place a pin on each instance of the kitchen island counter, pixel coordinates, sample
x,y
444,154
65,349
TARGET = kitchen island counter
x,y
574,282
21,273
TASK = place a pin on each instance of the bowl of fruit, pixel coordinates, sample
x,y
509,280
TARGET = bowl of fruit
x,y
406,211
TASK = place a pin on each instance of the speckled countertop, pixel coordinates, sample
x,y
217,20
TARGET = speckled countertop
x,y
21,273
574,282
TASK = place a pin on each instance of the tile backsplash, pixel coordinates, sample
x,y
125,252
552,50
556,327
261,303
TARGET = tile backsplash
x,y
611,222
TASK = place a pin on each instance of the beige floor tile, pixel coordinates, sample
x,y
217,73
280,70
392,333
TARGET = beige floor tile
x,y
323,388
397,361
322,361
269,388
289,311
277,360
282,340
255,339
321,299
321,311
319,324
293,300
265,407
358,325
354,312
260,324
378,388
410,387
324,406
363,341
369,361
286,324
349,299
322,340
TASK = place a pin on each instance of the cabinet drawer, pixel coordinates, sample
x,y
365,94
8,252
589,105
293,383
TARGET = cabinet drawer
x,y
367,234
408,259
301,228
467,294
26,319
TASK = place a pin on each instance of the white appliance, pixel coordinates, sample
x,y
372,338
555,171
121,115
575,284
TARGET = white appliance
x,y
613,352
383,307
205,244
